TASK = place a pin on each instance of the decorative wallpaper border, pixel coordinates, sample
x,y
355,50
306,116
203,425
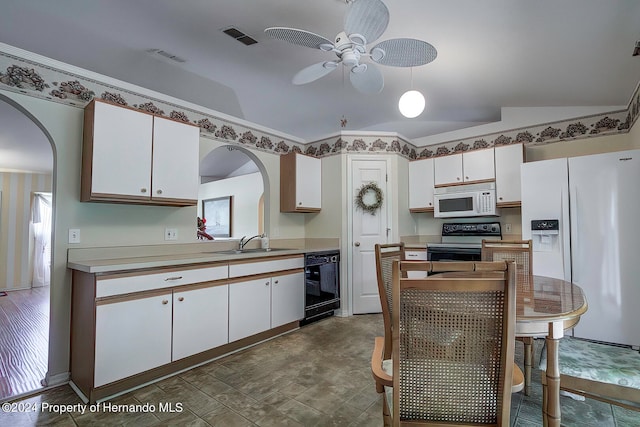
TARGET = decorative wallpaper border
x,y
54,84
57,85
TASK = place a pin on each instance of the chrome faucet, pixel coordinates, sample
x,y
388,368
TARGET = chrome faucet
x,y
243,242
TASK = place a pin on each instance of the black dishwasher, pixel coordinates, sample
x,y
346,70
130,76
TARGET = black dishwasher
x,y
322,284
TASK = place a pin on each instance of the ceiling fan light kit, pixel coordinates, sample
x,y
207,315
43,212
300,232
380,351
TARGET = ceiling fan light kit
x,y
364,23
411,104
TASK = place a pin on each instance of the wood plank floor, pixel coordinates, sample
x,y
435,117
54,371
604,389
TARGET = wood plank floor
x,y
24,340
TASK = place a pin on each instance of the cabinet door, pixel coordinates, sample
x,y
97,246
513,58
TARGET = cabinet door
x,y
508,161
200,320
175,160
132,336
421,182
308,182
478,165
287,299
448,169
121,151
249,308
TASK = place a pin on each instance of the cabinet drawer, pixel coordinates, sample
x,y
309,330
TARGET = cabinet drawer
x,y
251,268
145,282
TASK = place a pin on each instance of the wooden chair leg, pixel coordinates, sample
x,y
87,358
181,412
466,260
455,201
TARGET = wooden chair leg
x,y
386,416
528,362
544,398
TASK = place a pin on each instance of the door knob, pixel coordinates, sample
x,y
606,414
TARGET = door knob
x,y
356,244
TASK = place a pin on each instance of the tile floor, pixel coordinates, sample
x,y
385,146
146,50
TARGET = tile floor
x,y
316,376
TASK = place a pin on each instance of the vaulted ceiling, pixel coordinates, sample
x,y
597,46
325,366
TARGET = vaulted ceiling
x,y
491,54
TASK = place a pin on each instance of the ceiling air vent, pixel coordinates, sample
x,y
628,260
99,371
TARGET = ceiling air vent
x,y
240,36
166,54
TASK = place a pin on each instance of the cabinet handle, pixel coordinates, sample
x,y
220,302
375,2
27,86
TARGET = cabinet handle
x,y
499,198
181,299
466,177
458,178
173,278
299,203
165,302
276,282
266,283
356,244
143,190
430,203
159,191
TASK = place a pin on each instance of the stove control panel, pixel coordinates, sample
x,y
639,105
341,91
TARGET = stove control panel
x,y
472,229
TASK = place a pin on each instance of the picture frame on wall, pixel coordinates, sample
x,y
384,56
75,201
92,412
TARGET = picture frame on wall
x,y
218,215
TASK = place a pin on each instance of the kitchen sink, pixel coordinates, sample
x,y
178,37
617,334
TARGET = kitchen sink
x,y
247,251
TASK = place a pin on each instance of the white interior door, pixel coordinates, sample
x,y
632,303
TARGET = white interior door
x,y
367,230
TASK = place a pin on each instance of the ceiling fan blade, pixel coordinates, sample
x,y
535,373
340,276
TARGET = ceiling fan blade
x,y
369,81
299,37
403,52
314,72
368,18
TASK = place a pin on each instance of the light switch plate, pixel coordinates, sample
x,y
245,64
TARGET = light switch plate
x,y
74,235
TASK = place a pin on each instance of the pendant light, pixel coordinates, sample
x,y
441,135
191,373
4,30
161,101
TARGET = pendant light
x,y
411,103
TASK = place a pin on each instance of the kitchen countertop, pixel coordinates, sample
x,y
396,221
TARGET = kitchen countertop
x,y
112,265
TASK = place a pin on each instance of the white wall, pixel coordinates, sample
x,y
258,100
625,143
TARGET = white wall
x,y
328,222
246,191
517,117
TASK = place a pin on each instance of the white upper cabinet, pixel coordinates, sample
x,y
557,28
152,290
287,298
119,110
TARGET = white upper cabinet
x,y
471,166
175,160
421,181
508,161
300,183
133,157
117,153
478,165
448,169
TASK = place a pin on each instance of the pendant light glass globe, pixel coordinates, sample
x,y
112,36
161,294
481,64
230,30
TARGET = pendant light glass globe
x,y
411,104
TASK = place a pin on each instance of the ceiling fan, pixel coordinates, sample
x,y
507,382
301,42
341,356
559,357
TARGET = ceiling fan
x,y
364,23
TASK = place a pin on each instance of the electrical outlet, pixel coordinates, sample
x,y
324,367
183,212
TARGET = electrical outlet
x,y
170,234
74,235
507,228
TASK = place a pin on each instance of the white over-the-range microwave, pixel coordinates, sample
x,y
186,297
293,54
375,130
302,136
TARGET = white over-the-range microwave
x,y
465,200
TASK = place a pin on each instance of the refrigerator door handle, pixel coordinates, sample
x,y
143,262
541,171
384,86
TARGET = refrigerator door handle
x,y
573,206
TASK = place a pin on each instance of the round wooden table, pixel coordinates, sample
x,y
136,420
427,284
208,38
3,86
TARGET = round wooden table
x,y
545,307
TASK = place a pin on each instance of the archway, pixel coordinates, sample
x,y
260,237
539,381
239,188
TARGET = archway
x,y
27,169
230,163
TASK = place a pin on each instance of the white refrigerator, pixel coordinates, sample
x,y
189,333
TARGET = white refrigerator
x,y
596,202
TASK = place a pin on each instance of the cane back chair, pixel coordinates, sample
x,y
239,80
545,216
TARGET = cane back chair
x,y
521,252
470,383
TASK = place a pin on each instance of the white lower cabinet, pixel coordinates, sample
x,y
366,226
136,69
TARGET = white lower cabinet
x,y
200,320
249,308
287,299
132,336
128,329
261,304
